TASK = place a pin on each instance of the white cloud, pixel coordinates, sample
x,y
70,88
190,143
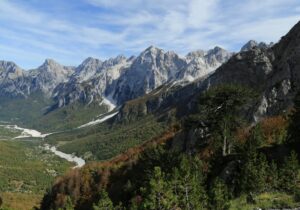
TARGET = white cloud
x,y
121,4
118,26
266,30
200,12
11,11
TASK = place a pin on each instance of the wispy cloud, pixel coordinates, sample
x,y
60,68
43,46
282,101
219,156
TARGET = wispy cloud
x,y
71,30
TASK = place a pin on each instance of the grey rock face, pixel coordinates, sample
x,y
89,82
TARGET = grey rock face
x,y
18,82
87,69
201,63
154,68
253,44
13,80
119,78
149,70
46,77
249,45
90,81
273,72
123,79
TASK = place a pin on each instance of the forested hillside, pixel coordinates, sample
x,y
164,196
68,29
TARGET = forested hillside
x,y
216,160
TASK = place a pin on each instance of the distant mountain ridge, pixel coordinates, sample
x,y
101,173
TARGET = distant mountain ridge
x,y
120,79
253,44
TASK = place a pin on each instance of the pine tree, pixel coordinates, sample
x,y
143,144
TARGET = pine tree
x,y
134,205
104,203
273,176
294,131
159,195
289,173
219,199
254,173
218,110
257,137
68,205
187,184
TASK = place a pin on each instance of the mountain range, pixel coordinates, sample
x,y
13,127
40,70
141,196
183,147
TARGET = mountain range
x,y
119,78
160,109
127,111
106,83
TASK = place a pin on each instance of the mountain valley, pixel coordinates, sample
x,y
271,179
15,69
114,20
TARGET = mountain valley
x,y
217,125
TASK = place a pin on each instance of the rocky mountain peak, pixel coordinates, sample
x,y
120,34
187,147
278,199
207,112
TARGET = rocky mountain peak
x,y
49,61
289,43
216,49
87,69
12,79
10,69
151,52
50,64
7,66
195,54
52,67
152,48
91,61
119,77
201,63
218,55
46,77
115,61
254,44
249,45
120,57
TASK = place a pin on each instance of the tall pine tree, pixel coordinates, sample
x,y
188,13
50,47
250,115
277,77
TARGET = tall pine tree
x,y
294,131
104,203
159,194
289,173
218,194
188,184
219,110
254,172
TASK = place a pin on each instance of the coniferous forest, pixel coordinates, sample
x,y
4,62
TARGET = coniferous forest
x,y
232,165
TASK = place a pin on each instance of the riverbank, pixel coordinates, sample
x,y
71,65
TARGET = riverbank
x,y
30,133
71,158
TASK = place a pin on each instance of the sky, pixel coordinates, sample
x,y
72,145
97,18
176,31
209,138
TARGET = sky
x,y
69,31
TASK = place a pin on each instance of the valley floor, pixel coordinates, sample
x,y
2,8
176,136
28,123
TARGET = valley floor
x,y
20,201
26,170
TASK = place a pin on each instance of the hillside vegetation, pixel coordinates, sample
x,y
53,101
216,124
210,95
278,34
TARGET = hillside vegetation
x,y
104,141
32,112
26,171
222,163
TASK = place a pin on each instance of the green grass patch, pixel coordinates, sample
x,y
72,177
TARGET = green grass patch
x,y
20,201
265,201
26,168
103,141
23,111
69,117
6,134
31,113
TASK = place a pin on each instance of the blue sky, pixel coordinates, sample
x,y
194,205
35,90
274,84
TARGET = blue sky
x,y
71,30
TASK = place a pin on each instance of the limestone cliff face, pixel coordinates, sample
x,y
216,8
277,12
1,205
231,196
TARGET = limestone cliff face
x,y
13,80
116,79
274,72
